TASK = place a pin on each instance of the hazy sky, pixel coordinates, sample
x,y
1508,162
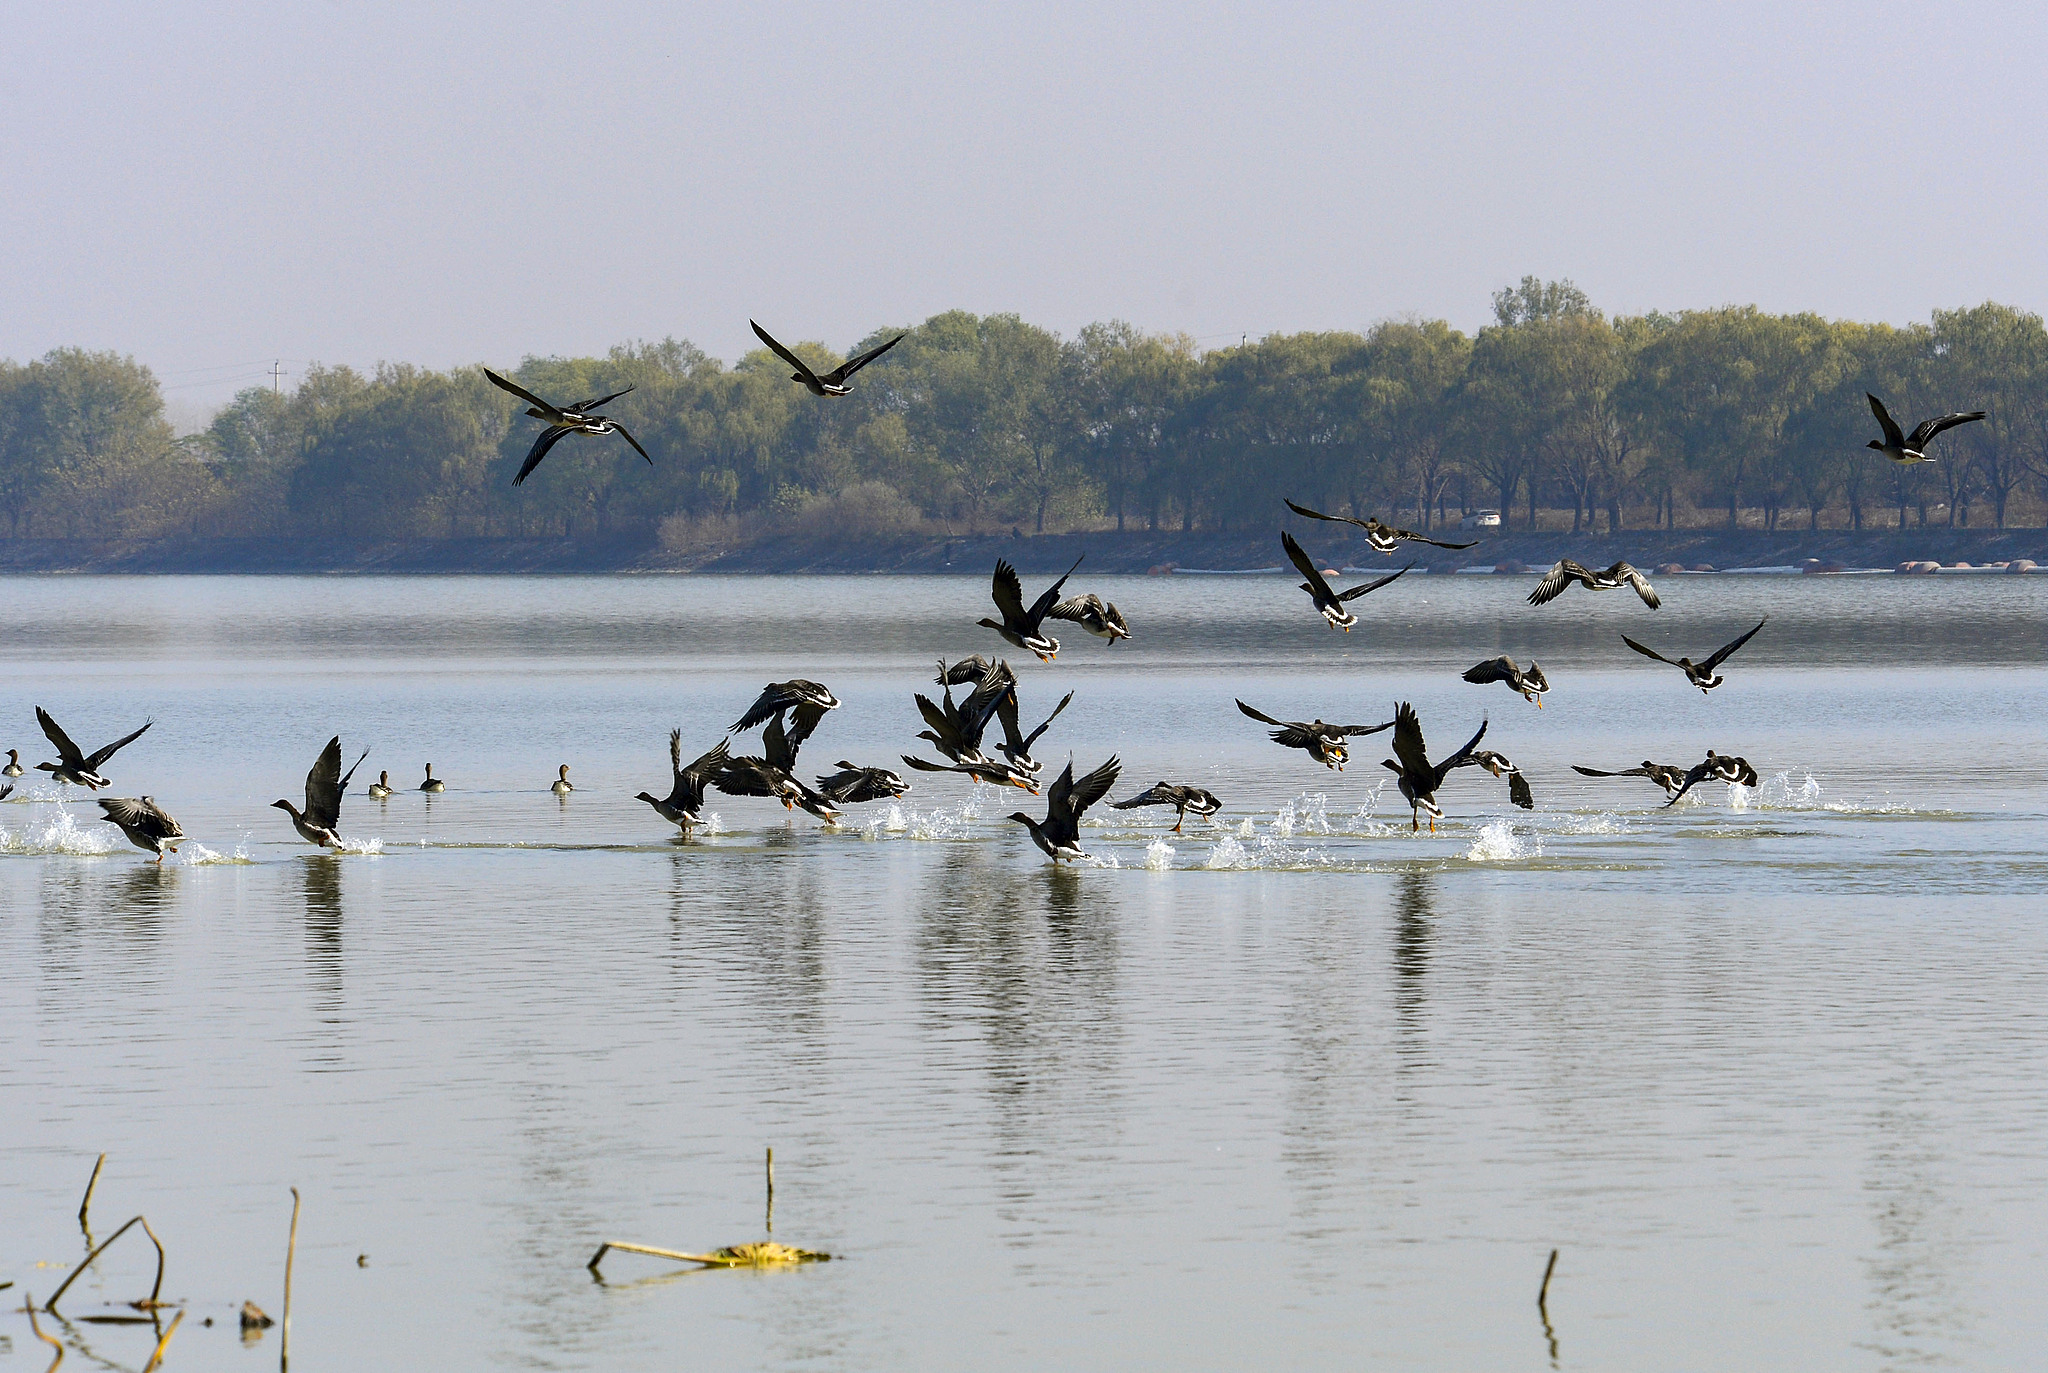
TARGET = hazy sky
x,y
211,186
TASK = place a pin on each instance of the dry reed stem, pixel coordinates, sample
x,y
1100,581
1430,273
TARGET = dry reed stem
x,y
1543,1292
163,1344
85,1206
29,1305
284,1330
771,1190
51,1305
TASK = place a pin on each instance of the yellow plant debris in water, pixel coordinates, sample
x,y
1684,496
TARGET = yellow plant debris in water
x,y
766,1254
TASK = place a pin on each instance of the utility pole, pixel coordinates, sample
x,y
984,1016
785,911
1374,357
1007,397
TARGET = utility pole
x,y
276,371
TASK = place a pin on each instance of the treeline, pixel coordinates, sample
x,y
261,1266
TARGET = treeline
x,y
972,423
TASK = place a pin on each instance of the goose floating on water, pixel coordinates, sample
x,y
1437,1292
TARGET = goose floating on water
x,y
148,826
13,768
381,788
1059,834
1904,448
433,785
1324,743
562,421
1383,537
1331,603
1701,675
1185,800
1566,572
325,786
562,785
1419,778
1531,684
73,766
832,383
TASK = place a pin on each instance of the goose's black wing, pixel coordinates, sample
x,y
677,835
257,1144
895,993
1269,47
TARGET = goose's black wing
x,y
584,407
549,437
1412,537
67,752
1894,437
1653,653
1317,587
1492,670
778,746
775,698
520,391
1050,598
1409,747
1698,773
972,668
1352,731
791,358
1459,758
100,755
838,375
1355,592
630,439
1518,790
1596,772
1556,580
1092,788
325,785
1079,609
1307,513
140,815
1158,794
1623,572
1927,429
1008,593
1722,652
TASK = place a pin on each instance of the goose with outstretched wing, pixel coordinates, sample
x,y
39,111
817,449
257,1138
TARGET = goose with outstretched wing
x,y
72,766
562,421
1701,674
1383,537
832,383
319,823
1059,834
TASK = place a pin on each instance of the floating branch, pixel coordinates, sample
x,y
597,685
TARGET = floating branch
x,y
85,1206
284,1332
766,1254
29,1305
161,1345
152,1303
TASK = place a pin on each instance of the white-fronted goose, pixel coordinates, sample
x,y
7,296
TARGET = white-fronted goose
x,y
81,769
1099,617
1059,834
148,826
1665,775
1701,675
1566,572
380,790
684,804
1324,743
804,702
1717,767
774,775
325,786
853,785
580,418
562,786
832,383
1419,778
1911,448
433,786
1530,684
13,768
1021,627
1330,603
1382,537
1500,765
1184,799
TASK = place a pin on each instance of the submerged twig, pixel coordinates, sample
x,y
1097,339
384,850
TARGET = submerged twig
x,y
771,1189
284,1329
154,1292
29,1305
1543,1306
767,1254
85,1206
163,1344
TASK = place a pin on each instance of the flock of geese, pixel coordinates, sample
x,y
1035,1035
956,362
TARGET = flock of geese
x,y
788,712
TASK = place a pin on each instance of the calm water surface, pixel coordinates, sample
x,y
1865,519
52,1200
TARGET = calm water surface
x,y
1299,1086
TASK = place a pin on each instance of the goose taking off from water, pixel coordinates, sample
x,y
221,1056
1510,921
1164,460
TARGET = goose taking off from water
x,y
1566,572
1701,675
804,702
380,790
145,823
1059,834
1099,617
1324,743
832,383
13,768
1717,767
1531,684
774,775
684,804
995,681
325,785
1419,778
1912,448
1330,603
1184,800
562,785
1501,766
71,765
433,786
1665,775
579,418
1020,627
1382,537
852,785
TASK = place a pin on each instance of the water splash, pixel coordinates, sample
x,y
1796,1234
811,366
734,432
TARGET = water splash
x,y
1606,822
1778,793
191,855
1497,842
1227,854
60,834
1158,856
1369,807
1305,814
363,846
1246,828
712,823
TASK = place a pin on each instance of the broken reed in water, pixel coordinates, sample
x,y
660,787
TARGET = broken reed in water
x,y
766,1254
85,1206
148,1304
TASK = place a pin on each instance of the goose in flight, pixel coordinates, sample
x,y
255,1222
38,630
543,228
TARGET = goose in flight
x,y
1701,675
580,418
13,768
1324,743
1099,617
325,785
853,785
1382,537
1501,766
1717,767
146,824
562,785
1531,684
1665,775
1566,572
1184,800
1330,603
833,383
1419,778
81,769
684,804
1912,448
806,703
1059,834
995,774
1020,627
956,729
774,774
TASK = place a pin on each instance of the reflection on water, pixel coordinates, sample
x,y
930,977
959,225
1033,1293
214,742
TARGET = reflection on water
x,y
1303,1086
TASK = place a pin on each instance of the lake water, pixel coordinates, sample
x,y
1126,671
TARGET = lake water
x,y
1301,1087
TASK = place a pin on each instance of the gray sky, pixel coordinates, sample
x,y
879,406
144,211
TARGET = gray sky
x,y
205,186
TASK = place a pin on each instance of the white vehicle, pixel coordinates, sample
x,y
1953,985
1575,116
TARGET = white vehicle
x,y
1481,519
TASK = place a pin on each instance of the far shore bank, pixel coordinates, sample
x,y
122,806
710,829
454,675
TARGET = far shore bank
x,y
1107,552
